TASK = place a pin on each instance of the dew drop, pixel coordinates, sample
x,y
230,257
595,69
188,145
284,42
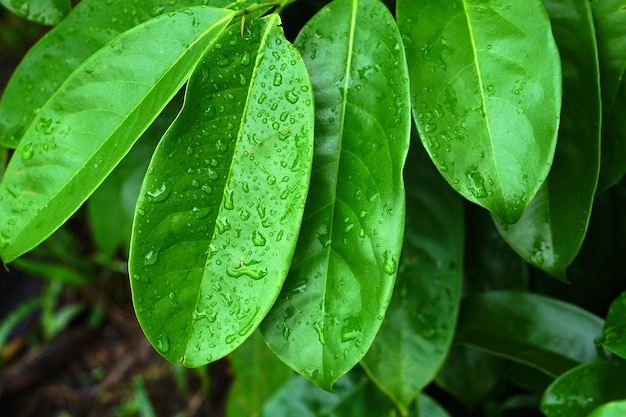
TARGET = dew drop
x,y
159,194
27,152
245,59
291,97
262,98
389,264
228,200
278,79
151,258
252,271
258,239
163,344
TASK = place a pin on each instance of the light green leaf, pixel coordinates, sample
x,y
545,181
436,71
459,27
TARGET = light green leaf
x,y
218,215
258,375
415,336
612,409
615,327
46,12
486,85
90,25
344,269
427,407
610,21
529,329
577,392
93,119
550,233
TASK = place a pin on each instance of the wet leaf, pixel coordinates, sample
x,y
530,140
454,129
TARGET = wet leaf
x,y
612,409
550,233
615,327
90,25
577,392
46,12
530,329
219,211
343,272
610,23
487,107
258,375
111,99
415,336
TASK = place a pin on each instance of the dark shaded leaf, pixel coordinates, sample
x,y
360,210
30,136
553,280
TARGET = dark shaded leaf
x,y
615,327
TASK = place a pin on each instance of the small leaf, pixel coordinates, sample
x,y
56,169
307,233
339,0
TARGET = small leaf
x,y
219,211
577,392
615,327
258,375
344,269
612,409
418,329
93,119
550,233
427,407
610,23
530,329
90,25
487,107
46,12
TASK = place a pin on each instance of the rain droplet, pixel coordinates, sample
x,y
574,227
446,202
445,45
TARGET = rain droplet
x,y
151,258
262,98
291,97
389,264
159,194
163,344
251,271
278,79
27,152
245,59
223,61
258,239
228,200
476,184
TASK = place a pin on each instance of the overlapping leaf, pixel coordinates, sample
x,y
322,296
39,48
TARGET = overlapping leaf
x,y
47,12
427,407
612,409
49,63
343,272
530,329
93,119
551,231
220,208
487,107
610,23
577,392
615,327
415,336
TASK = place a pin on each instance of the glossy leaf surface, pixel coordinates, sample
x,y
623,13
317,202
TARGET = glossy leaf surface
x,y
415,336
218,215
94,118
615,327
612,409
487,107
49,63
610,23
427,407
344,269
551,231
258,375
530,329
577,392
47,12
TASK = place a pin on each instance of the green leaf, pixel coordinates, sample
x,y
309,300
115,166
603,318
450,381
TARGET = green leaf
x,y
577,392
469,374
529,329
354,396
550,233
427,407
615,327
612,409
50,62
91,122
344,269
258,375
610,22
46,12
220,208
416,334
487,107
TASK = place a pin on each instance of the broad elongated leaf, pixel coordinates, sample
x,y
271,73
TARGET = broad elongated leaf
x,y
258,375
220,208
612,409
551,231
87,28
415,336
530,329
615,327
343,272
47,12
94,118
486,85
610,22
577,392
